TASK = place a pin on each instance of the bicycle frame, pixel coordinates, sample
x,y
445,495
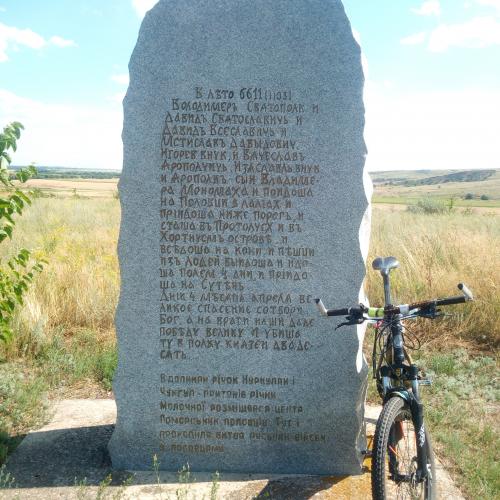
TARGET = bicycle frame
x,y
402,373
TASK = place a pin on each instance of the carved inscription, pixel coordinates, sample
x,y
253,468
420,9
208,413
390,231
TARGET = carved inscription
x,y
231,403
231,183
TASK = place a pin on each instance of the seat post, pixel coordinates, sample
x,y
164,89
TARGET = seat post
x,y
387,289
384,265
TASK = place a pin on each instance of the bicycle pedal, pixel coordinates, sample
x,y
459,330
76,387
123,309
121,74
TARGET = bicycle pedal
x,y
425,381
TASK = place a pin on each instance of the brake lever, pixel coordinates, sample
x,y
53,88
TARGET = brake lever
x,y
352,321
434,313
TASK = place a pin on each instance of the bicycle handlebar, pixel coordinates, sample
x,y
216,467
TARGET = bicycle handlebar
x,y
331,312
361,310
458,299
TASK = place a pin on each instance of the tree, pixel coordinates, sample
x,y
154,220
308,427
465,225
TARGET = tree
x,y
18,272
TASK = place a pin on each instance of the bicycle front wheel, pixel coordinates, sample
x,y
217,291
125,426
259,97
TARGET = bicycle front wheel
x,y
394,457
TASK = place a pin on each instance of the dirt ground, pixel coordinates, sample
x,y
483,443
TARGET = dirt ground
x,y
52,462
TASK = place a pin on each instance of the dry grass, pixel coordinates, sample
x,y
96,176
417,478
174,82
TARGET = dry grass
x,y
79,287
436,253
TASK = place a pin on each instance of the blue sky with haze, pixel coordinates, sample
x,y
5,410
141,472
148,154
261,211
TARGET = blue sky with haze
x,y
432,67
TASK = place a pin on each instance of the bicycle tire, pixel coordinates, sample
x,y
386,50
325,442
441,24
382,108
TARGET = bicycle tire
x,y
395,419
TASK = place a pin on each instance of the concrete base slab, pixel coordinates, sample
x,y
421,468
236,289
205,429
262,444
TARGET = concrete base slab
x,y
68,459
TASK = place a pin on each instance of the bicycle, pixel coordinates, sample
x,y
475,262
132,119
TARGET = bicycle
x,y
402,457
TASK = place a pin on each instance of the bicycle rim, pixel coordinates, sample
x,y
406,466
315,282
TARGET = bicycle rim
x,y
394,462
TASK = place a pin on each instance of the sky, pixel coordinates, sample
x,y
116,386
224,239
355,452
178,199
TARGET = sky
x,y
432,69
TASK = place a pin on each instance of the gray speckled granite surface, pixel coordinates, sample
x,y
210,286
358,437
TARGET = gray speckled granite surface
x,y
242,199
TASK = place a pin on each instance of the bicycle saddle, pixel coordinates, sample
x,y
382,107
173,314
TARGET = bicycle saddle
x,y
385,264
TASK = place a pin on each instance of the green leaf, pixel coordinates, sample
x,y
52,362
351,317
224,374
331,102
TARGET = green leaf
x,y
4,179
25,198
18,203
15,197
21,176
24,254
24,174
18,126
7,157
8,229
6,335
8,217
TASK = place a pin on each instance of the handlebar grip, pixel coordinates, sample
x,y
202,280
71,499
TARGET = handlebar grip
x,y
330,312
338,312
321,307
459,299
465,291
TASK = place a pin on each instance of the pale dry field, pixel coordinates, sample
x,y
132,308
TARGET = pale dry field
x,y
99,188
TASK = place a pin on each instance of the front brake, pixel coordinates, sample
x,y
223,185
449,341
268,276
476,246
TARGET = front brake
x,y
431,313
351,321
354,319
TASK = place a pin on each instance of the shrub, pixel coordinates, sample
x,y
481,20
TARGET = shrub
x,y
430,206
19,270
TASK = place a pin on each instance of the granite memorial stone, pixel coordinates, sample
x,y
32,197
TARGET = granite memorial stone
x,y
242,199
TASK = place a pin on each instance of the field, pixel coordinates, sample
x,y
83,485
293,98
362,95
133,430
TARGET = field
x,y
65,341
403,187
94,188
391,188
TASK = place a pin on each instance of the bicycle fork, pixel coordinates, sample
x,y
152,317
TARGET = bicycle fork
x,y
417,416
412,399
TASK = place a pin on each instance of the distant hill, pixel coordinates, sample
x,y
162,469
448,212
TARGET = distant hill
x,y
429,177
465,176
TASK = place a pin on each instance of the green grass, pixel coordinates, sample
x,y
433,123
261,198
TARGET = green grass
x,y
83,359
463,410
22,404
